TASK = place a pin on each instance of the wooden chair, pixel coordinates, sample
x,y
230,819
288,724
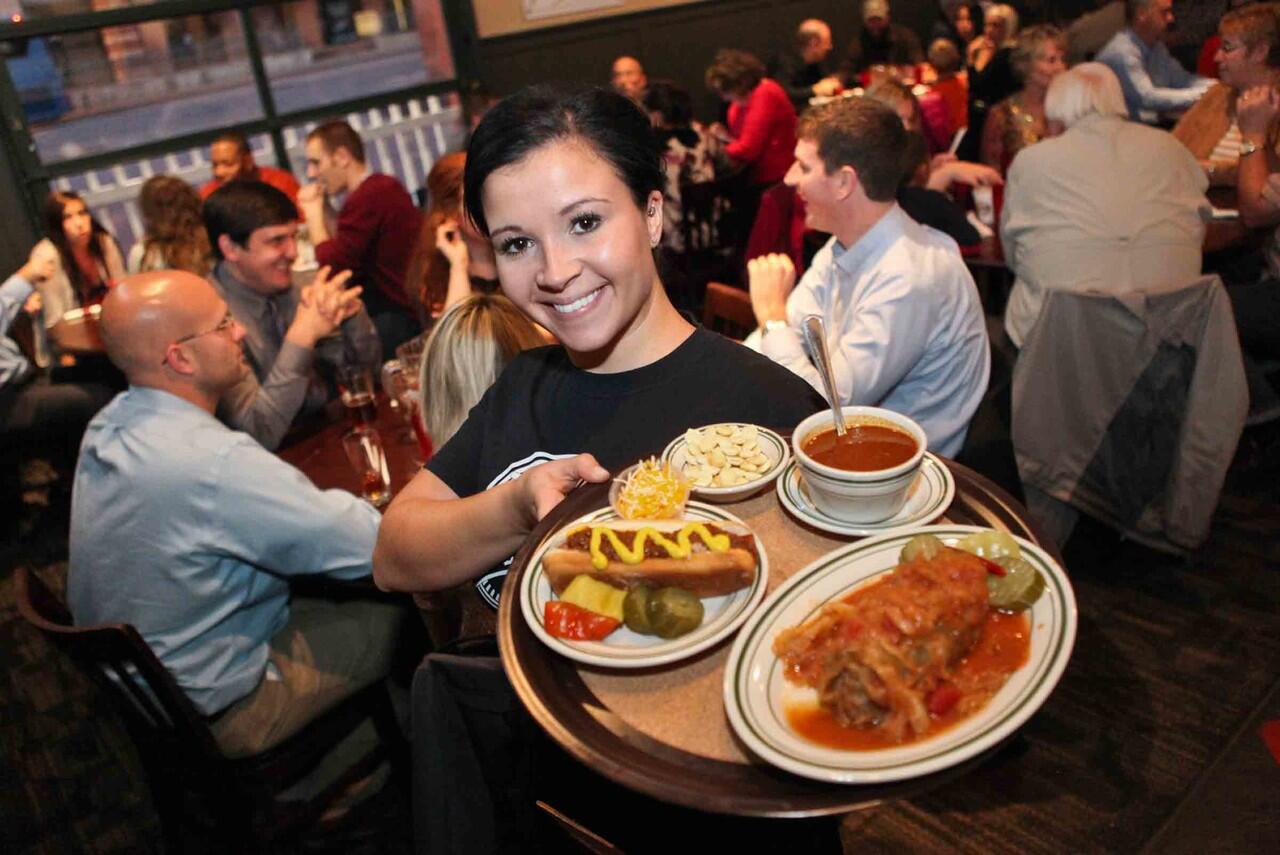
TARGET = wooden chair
x,y
178,748
706,228
727,310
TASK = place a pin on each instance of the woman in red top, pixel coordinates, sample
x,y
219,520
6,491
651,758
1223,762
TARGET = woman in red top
x,y
761,138
762,122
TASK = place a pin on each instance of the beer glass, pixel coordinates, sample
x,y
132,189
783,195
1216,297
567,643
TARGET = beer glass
x,y
363,447
355,383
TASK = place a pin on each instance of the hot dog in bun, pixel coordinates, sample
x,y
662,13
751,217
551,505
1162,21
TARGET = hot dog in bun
x,y
705,558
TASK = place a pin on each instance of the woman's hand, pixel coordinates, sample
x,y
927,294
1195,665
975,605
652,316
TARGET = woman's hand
x,y
451,245
964,172
40,265
546,485
1256,108
34,304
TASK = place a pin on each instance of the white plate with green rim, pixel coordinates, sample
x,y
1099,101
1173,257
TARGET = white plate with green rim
x,y
772,446
929,497
756,695
624,648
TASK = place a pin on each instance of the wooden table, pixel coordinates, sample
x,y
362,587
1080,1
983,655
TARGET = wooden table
x,y
316,449
77,332
663,731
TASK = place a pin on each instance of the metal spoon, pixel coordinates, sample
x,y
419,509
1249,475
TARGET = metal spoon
x,y
816,339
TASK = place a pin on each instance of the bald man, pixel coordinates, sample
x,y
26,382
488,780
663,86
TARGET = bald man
x,y
803,72
190,531
629,79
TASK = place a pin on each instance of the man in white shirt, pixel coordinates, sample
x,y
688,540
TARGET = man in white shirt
x,y
1109,205
1154,83
904,323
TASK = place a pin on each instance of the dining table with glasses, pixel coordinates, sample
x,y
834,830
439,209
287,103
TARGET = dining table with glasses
x,y
702,731
315,447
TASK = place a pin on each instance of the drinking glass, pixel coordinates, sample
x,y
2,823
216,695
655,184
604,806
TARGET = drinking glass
x,y
393,380
410,356
412,402
355,383
363,447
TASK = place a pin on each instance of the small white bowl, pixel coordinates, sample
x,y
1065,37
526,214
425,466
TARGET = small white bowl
x,y
772,446
858,497
615,488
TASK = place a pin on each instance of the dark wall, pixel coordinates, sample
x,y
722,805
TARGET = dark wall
x,y
676,43
17,233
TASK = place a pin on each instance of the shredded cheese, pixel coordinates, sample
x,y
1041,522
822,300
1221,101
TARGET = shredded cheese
x,y
652,491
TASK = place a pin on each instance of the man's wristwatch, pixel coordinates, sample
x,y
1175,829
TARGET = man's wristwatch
x,y
775,324
1248,147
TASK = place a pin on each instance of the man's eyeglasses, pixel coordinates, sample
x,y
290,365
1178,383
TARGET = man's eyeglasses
x,y
227,322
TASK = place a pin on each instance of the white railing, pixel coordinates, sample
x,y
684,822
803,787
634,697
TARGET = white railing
x,y
403,140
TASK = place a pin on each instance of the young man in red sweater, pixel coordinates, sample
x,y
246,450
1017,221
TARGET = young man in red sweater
x,y
373,232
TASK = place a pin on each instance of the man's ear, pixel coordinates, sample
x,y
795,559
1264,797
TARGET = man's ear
x,y
230,249
176,358
847,182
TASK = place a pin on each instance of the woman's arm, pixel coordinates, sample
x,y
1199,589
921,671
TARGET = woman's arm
x,y
431,540
451,245
1255,111
758,122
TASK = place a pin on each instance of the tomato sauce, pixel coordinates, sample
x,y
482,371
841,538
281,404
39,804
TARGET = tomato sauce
x,y
865,447
1004,647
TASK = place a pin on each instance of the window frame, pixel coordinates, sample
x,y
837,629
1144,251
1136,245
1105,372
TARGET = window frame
x,y
36,176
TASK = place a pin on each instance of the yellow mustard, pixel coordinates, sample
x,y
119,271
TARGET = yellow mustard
x,y
678,548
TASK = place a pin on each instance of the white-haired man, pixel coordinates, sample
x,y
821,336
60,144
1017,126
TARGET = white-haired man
x,y
1109,205
1154,83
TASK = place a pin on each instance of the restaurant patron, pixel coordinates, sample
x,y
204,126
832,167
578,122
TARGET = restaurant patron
x,y
189,530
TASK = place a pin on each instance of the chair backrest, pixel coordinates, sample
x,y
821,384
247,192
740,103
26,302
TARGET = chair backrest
x,y
161,717
1129,406
703,205
727,310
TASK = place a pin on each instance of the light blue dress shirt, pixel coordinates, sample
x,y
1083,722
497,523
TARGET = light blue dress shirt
x,y
13,296
189,531
904,327
1152,80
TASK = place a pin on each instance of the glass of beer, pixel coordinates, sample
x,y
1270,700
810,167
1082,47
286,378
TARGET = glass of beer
x,y
363,447
355,383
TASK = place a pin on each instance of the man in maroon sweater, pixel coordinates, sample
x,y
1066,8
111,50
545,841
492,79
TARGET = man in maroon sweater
x,y
373,233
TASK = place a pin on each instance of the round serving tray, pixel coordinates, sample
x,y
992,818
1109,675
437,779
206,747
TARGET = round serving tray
x,y
555,694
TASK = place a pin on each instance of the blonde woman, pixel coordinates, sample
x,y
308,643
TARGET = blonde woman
x,y
1000,30
1039,55
467,350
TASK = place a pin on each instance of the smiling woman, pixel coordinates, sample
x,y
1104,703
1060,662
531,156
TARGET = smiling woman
x,y
566,185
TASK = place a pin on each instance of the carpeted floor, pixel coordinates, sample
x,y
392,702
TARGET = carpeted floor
x,y
1174,662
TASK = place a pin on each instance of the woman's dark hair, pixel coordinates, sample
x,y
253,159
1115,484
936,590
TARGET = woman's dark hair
x,y
54,205
610,123
735,72
239,208
671,100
